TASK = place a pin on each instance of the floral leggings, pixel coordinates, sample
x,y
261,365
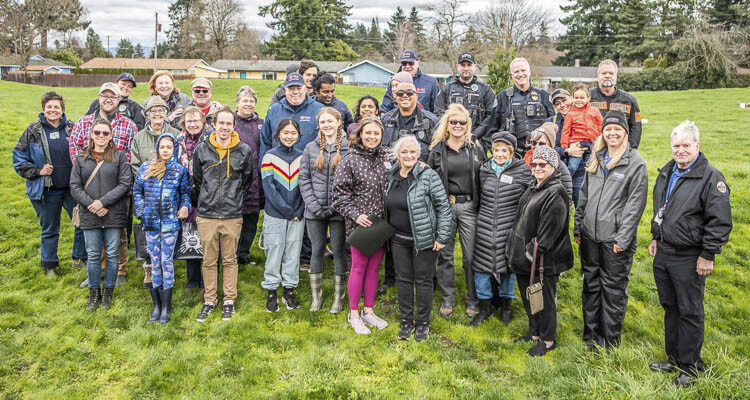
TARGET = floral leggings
x,y
161,249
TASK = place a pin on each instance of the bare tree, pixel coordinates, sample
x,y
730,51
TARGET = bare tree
x,y
401,38
18,30
246,42
511,22
448,27
223,19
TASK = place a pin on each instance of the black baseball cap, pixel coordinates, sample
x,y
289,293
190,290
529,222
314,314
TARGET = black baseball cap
x,y
557,93
466,57
126,76
409,55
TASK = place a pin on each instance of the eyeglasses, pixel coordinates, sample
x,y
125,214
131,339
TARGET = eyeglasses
x,y
456,122
408,93
201,91
110,98
405,63
540,165
157,111
101,133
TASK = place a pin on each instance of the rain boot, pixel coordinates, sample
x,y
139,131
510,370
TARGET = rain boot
x,y
485,312
316,286
156,313
165,297
339,293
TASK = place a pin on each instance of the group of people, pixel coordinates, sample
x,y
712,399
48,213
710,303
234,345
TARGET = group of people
x,y
504,171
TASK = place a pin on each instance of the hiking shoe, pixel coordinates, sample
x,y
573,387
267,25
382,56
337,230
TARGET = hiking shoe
x,y
407,329
107,294
84,284
446,310
51,274
541,349
205,311
358,325
272,301
290,299
304,267
227,310
422,332
373,320
472,311
95,296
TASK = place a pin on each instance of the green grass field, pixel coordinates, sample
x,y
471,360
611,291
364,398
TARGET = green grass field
x,y
51,348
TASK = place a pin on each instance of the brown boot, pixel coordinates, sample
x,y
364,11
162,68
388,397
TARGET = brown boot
x,y
147,276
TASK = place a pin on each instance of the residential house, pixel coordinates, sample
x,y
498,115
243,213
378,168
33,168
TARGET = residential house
x,y
38,65
193,67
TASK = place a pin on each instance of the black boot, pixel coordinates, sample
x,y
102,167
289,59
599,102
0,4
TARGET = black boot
x,y
165,297
485,312
156,313
107,295
505,311
95,296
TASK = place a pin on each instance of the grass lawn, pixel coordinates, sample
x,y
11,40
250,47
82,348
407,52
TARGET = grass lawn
x,y
51,348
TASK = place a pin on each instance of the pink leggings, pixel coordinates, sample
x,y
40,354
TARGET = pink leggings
x,y
364,273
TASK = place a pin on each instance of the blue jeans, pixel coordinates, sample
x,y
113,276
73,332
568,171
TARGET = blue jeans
x,y
48,211
577,169
484,286
282,240
111,241
161,249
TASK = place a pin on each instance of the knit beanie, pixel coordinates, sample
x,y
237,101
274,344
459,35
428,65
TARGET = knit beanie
x,y
548,154
617,118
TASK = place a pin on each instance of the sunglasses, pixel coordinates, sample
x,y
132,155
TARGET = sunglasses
x,y
201,91
402,93
101,133
456,122
540,165
405,63
536,142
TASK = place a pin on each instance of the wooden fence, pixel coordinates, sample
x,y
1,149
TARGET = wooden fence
x,y
72,80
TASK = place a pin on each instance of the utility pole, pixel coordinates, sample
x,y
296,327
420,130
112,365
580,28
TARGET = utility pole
x,y
108,52
156,40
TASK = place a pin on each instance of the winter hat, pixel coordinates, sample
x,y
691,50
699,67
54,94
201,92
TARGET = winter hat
x,y
155,101
505,137
617,118
548,154
549,130
403,76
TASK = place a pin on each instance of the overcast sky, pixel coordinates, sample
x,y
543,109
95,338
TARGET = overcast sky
x,y
135,18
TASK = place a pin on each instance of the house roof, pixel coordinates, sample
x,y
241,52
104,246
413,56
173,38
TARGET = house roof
x,y
576,72
376,65
143,63
274,65
33,61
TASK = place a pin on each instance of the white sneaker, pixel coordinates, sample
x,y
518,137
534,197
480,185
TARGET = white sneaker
x,y
358,325
373,320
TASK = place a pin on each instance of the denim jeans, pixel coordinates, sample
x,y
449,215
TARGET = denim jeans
x,y
249,228
111,239
577,169
48,211
282,240
161,249
488,287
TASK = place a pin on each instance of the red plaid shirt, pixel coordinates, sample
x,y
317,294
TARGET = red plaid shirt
x,y
123,130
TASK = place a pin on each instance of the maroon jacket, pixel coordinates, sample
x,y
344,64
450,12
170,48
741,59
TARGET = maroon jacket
x,y
248,130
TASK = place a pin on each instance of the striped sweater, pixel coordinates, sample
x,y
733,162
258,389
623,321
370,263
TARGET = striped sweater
x,y
280,175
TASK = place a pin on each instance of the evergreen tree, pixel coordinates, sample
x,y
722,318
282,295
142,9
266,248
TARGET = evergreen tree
x,y
498,75
398,18
94,44
376,38
138,51
633,24
416,23
125,48
163,49
591,34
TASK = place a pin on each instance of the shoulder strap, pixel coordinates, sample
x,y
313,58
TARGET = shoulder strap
x,y
533,264
98,165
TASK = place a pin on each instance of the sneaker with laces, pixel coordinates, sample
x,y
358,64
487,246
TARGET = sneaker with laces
x,y
227,310
407,329
205,311
290,299
272,301
373,320
422,333
358,325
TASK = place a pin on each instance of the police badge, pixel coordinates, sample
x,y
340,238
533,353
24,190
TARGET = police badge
x,y
122,108
475,87
420,134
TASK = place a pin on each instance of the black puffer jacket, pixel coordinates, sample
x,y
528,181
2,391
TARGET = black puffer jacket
x,y
110,186
437,161
544,214
497,212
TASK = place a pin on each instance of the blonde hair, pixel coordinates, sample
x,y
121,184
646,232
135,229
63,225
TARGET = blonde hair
x,y
158,166
320,162
441,133
614,156
157,75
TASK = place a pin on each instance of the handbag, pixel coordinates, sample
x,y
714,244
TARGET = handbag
x,y
75,217
189,244
534,291
141,249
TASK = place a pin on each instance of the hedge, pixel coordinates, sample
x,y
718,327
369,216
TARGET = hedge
x,y
672,78
113,71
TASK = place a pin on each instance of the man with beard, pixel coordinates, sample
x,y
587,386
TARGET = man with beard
x,y
127,107
607,97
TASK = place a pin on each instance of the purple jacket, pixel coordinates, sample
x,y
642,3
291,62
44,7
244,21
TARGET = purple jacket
x,y
249,131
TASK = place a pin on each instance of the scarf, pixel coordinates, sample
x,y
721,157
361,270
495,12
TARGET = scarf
x,y
499,168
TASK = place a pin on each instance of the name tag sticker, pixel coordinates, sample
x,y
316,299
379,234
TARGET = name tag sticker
x,y
618,175
54,135
506,179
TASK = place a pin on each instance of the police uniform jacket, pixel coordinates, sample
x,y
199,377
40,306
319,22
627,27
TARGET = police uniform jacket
x,y
424,123
519,112
476,96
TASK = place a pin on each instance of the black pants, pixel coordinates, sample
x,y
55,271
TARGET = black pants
x,y
605,290
413,272
681,295
389,273
543,323
305,253
194,275
247,235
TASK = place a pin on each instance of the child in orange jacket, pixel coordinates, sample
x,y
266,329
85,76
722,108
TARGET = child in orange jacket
x,y
582,125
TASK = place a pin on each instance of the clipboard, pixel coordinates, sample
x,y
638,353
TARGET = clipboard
x,y
368,240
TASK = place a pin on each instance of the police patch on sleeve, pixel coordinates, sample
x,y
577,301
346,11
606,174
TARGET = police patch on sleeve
x,y
721,187
122,108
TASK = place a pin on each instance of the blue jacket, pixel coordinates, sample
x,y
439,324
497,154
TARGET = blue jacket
x,y
32,152
559,121
305,114
157,201
280,174
346,115
427,92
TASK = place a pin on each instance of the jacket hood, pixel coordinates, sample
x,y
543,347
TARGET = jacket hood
x,y
174,143
294,109
251,118
43,121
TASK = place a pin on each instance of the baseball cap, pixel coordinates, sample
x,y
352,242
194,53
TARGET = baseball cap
x,y
112,87
409,55
294,79
557,93
466,57
126,76
201,82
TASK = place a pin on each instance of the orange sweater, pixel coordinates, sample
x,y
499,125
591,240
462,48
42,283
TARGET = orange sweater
x,y
581,125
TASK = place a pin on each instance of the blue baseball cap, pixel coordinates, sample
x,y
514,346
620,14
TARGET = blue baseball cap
x,y
126,76
294,79
409,55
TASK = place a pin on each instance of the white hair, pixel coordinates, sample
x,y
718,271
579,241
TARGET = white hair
x,y
606,62
688,130
519,60
246,91
401,142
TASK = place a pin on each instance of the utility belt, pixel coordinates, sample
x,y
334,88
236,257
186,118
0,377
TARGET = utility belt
x,y
459,198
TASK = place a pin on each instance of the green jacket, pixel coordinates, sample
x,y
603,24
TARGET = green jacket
x,y
143,147
429,210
